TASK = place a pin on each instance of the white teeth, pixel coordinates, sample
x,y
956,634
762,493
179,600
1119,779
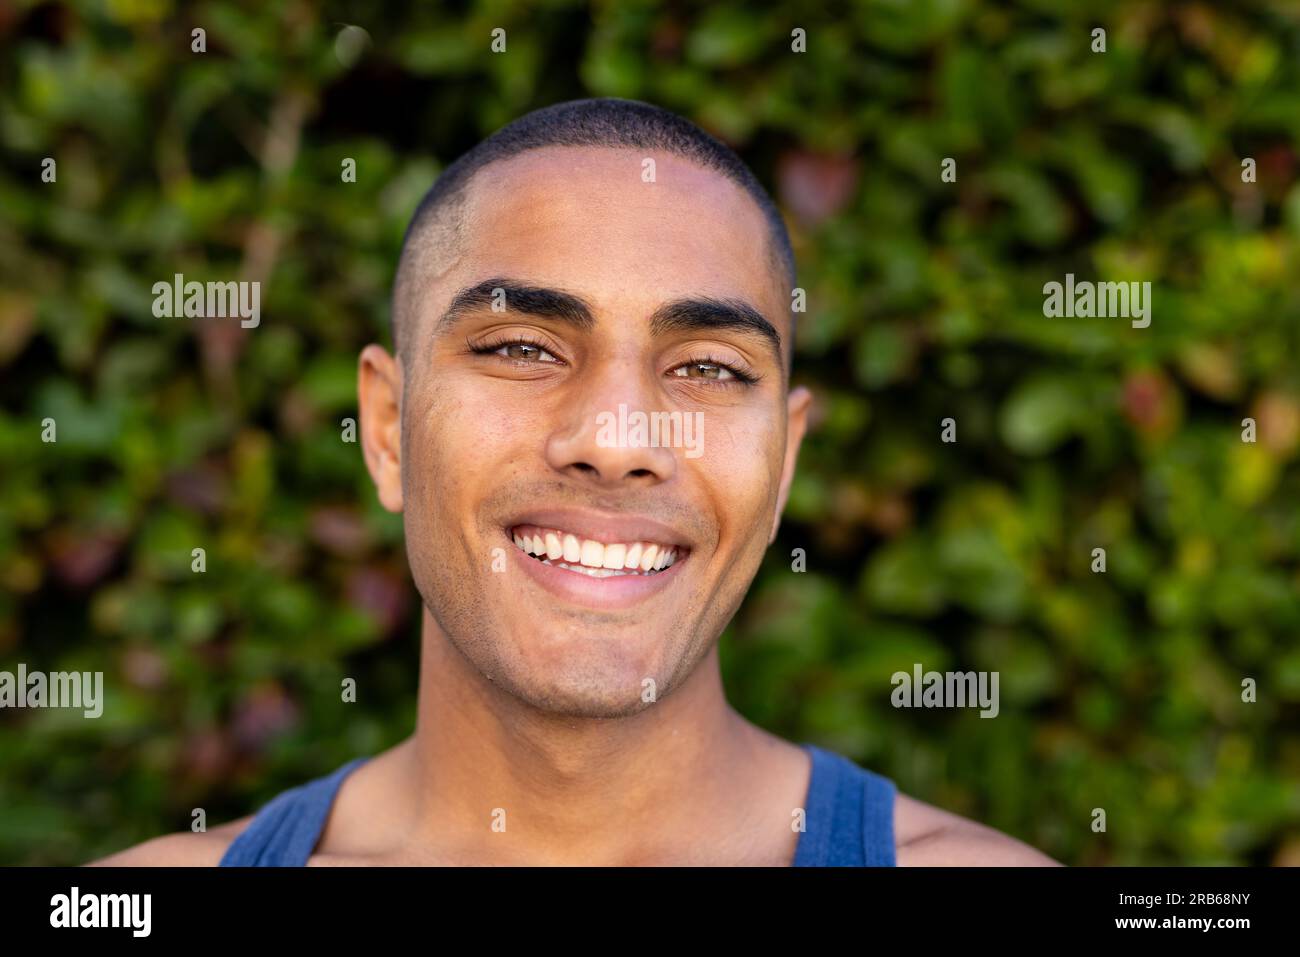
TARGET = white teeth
x,y
595,572
554,548
593,554
598,559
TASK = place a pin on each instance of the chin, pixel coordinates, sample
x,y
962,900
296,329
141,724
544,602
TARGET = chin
x,y
567,698
585,671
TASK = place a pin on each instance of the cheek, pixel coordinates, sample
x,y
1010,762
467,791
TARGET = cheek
x,y
460,443
741,468
498,433
462,439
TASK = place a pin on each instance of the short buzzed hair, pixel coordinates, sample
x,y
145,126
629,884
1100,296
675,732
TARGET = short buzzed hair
x,y
610,122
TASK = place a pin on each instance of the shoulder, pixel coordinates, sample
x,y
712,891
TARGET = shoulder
x,y
183,849
312,802
927,836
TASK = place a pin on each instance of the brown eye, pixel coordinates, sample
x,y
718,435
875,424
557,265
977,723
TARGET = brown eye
x,y
524,352
703,370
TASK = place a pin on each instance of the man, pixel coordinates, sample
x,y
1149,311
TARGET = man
x,y
595,259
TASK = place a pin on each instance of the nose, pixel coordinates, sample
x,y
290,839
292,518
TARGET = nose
x,y
597,440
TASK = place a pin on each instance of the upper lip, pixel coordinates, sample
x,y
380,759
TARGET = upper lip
x,y
605,527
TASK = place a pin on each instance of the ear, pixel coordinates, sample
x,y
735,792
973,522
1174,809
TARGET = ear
x,y
797,405
379,402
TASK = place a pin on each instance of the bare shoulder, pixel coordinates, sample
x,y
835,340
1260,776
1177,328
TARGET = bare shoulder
x,y
182,849
927,836
185,849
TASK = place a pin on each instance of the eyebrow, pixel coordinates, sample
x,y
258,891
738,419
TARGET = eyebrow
x,y
519,297
708,313
690,314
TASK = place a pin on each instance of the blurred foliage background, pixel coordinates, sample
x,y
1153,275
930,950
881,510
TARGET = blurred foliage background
x,y
1119,691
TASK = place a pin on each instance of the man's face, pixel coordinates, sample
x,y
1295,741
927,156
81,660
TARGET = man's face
x,y
510,424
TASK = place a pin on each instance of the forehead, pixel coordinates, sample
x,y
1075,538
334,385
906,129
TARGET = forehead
x,y
586,219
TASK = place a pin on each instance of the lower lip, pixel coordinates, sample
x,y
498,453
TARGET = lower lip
x,y
614,592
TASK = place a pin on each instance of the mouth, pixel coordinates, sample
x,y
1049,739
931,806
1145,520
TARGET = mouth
x,y
574,553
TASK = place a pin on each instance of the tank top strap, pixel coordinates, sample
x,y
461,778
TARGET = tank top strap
x,y
286,830
849,818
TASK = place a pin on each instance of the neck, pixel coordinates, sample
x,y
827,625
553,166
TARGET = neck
x,y
596,790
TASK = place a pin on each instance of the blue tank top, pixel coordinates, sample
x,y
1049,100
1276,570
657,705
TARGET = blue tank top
x,y
849,819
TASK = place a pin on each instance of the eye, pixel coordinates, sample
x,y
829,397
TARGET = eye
x,y
518,350
704,370
525,351
708,370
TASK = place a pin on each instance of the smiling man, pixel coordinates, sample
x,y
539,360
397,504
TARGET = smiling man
x,y
590,257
